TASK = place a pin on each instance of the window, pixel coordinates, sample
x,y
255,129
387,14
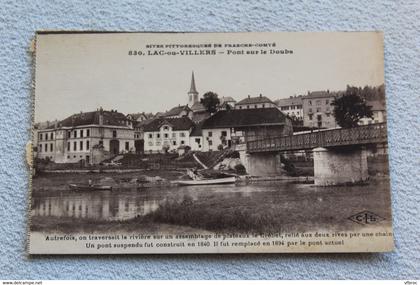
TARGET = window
x,y
68,134
327,101
174,142
81,145
46,147
197,140
319,118
182,142
255,106
46,137
310,110
174,135
40,148
101,142
210,134
114,133
310,102
224,133
182,135
318,110
310,117
88,133
52,136
51,147
158,143
150,143
81,133
68,156
87,145
74,146
165,128
127,146
166,135
158,136
318,102
210,142
240,107
247,106
75,134
263,105
40,137
150,136
68,146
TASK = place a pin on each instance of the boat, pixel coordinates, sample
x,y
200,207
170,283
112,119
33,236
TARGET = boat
x,y
87,187
225,180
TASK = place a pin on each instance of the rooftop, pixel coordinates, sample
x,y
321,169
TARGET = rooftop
x,y
177,124
111,118
245,117
322,94
175,111
254,100
297,100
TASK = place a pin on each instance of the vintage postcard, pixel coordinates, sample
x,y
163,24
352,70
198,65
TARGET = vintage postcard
x,y
209,143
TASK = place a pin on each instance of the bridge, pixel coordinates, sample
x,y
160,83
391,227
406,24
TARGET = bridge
x,y
361,135
340,156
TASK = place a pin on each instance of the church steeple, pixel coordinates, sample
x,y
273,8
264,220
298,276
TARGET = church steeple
x,y
192,94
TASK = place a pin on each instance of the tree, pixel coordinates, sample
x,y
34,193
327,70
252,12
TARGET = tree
x,y
350,108
211,101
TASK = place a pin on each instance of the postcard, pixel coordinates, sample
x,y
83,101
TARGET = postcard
x,y
160,143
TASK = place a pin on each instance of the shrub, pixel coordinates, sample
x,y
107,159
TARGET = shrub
x,y
240,169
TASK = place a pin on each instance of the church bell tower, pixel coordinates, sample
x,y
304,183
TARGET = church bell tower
x,y
192,94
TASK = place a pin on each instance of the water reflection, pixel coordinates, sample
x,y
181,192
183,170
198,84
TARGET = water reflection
x,y
123,205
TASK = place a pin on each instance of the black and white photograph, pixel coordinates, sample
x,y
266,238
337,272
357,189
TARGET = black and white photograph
x,y
209,143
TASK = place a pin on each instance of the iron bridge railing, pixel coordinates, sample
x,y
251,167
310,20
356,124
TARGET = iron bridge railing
x,y
367,134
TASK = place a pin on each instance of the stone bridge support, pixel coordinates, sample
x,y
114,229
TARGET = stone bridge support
x,y
341,165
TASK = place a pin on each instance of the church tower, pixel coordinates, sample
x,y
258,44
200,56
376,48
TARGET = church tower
x,y
192,94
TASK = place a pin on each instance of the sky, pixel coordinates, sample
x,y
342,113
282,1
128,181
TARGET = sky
x,y
82,72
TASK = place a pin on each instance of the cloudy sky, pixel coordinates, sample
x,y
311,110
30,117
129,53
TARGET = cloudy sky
x,y
81,72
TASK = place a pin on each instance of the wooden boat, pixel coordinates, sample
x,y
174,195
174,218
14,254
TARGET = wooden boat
x,y
226,180
87,187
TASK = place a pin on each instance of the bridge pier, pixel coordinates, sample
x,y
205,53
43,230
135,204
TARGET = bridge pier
x,y
336,166
264,164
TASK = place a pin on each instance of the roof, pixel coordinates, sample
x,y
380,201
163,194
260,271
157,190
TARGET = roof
x,y
136,116
178,124
289,101
376,105
224,99
175,111
254,100
112,118
197,131
321,94
197,106
245,117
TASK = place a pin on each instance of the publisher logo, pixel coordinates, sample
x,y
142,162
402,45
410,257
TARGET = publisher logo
x,y
366,218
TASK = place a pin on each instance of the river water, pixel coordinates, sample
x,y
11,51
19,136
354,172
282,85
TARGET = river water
x,y
300,202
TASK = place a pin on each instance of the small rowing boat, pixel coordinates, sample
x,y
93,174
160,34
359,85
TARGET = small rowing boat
x,y
87,187
226,180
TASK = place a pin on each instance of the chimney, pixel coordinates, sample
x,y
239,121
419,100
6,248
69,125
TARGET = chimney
x,y
249,96
260,95
101,116
328,90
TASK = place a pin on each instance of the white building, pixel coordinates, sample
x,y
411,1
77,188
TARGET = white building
x,y
255,103
75,138
167,134
292,106
379,113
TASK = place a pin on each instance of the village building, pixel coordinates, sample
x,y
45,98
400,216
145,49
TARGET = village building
x,y
292,106
226,128
196,137
179,112
255,103
317,109
89,137
167,134
379,113
226,103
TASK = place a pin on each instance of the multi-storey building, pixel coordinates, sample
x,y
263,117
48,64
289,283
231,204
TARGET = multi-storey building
x,y
317,109
255,103
166,134
81,136
292,106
